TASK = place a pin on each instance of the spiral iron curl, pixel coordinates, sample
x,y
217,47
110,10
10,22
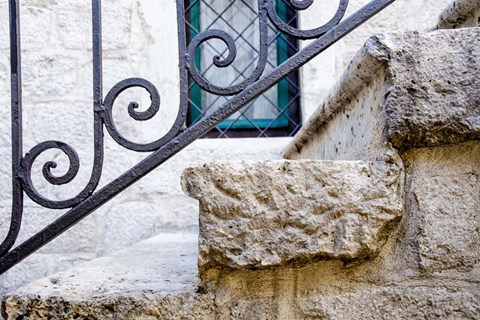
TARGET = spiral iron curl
x,y
232,54
25,172
303,5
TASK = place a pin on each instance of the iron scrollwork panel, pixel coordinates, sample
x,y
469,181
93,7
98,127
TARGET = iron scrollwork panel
x,y
177,138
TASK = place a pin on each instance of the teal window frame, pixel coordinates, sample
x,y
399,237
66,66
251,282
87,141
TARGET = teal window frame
x,y
283,87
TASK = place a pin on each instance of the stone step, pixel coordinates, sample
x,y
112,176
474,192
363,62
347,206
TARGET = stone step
x,y
154,279
270,214
412,99
254,215
402,91
393,235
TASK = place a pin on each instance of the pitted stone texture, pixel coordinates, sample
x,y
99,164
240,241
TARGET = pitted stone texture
x,y
460,14
148,306
272,213
155,279
349,125
434,97
405,90
318,76
412,301
443,201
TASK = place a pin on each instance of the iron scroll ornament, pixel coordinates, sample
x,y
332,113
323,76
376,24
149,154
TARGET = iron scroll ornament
x,y
176,139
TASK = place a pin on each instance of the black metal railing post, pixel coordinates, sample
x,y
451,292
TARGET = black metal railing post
x,y
16,127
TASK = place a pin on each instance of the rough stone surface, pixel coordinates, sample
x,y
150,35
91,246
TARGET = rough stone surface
x,y
434,97
155,279
349,124
336,292
43,264
319,76
460,14
403,90
443,199
273,213
414,301
420,112
165,288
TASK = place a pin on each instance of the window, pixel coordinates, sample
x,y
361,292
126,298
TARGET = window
x,y
276,112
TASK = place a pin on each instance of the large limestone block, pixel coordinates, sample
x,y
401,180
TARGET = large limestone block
x,y
154,279
443,205
403,90
433,98
273,213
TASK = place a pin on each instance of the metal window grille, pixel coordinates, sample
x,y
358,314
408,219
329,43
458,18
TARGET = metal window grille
x,y
276,112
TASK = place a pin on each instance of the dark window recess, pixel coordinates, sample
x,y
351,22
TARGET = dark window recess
x,y
274,114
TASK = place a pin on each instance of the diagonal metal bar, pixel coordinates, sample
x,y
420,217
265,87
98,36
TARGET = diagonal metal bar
x,y
179,142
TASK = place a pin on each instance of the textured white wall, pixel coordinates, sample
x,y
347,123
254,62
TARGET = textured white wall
x,y
139,41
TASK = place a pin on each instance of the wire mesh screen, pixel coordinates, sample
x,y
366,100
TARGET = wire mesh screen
x,y
275,113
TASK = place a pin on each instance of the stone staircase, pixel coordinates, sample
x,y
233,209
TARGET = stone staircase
x,y
375,214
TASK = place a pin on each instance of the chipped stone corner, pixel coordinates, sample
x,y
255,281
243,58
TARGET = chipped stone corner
x,y
367,63
433,94
460,14
406,94
270,214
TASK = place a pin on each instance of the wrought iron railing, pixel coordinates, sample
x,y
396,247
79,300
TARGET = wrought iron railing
x,y
177,138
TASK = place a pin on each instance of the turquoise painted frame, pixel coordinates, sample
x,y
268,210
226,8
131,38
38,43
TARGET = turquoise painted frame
x,y
283,87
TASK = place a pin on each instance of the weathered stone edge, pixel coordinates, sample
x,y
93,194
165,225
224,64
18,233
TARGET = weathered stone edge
x,y
188,305
457,13
196,180
420,115
409,300
384,53
371,58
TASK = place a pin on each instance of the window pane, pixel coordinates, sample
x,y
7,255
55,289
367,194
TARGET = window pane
x,y
239,19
